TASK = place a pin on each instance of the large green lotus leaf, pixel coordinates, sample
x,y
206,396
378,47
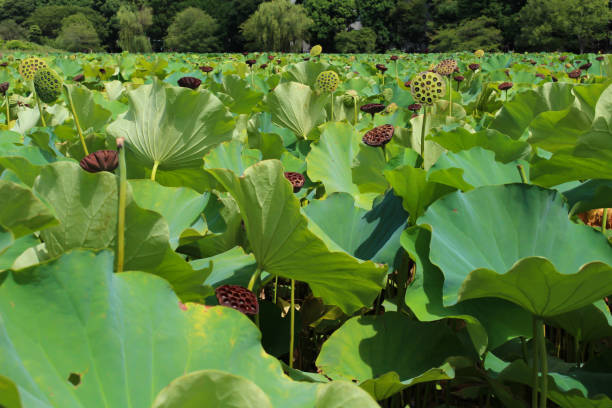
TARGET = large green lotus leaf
x,y
516,115
574,388
505,148
233,267
244,98
366,171
24,161
11,250
555,131
416,190
330,161
394,353
94,323
486,232
590,194
91,115
180,206
342,394
22,212
9,394
478,168
425,298
172,126
589,323
566,165
212,389
86,205
283,245
305,72
192,177
296,107
367,235
231,155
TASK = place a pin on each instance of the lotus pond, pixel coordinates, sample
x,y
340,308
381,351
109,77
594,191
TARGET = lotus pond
x,y
275,230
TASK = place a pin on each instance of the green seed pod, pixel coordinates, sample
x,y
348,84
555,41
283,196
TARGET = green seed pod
x,y
316,50
48,85
387,94
328,81
348,99
427,87
29,66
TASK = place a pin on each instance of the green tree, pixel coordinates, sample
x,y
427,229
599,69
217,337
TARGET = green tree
x,y
376,14
133,23
35,34
277,25
192,30
478,33
10,30
356,41
18,10
409,22
78,34
330,17
49,19
573,25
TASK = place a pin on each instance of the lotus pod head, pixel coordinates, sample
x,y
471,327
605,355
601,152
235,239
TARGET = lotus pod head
x,y
328,81
4,86
189,82
29,66
101,160
479,53
446,67
316,50
297,180
427,87
48,85
372,108
238,298
379,136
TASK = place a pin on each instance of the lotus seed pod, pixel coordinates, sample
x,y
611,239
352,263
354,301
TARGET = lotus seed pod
x,y
238,298
504,86
379,136
348,99
446,67
189,82
101,160
387,94
48,85
479,53
328,81
4,88
297,180
427,87
316,50
391,108
29,66
372,108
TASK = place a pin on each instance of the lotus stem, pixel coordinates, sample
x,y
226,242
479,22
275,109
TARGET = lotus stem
x,y
396,76
154,171
604,221
292,324
275,288
450,97
543,363
252,80
253,279
122,201
423,127
40,110
524,349
8,111
76,122
355,105
521,171
534,368
332,106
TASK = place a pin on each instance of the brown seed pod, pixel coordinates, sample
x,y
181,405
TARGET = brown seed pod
x,y
4,87
599,58
189,82
381,67
594,218
415,107
379,136
78,78
372,108
459,78
101,160
394,58
250,62
586,66
474,67
263,66
539,75
206,68
238,298
446,67
563,58
504,86
296,179
575,74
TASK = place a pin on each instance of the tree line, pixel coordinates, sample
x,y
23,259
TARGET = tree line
x,y
283,25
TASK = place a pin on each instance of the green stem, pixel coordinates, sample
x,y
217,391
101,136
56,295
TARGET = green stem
x,y
450,98
275,288
423,127
355,105
8,110
522,173
76,122
154,171
396,76
543,364
332,106
534,367
292,324
40,110
252,80
254,278
524,349
604,221
121,215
